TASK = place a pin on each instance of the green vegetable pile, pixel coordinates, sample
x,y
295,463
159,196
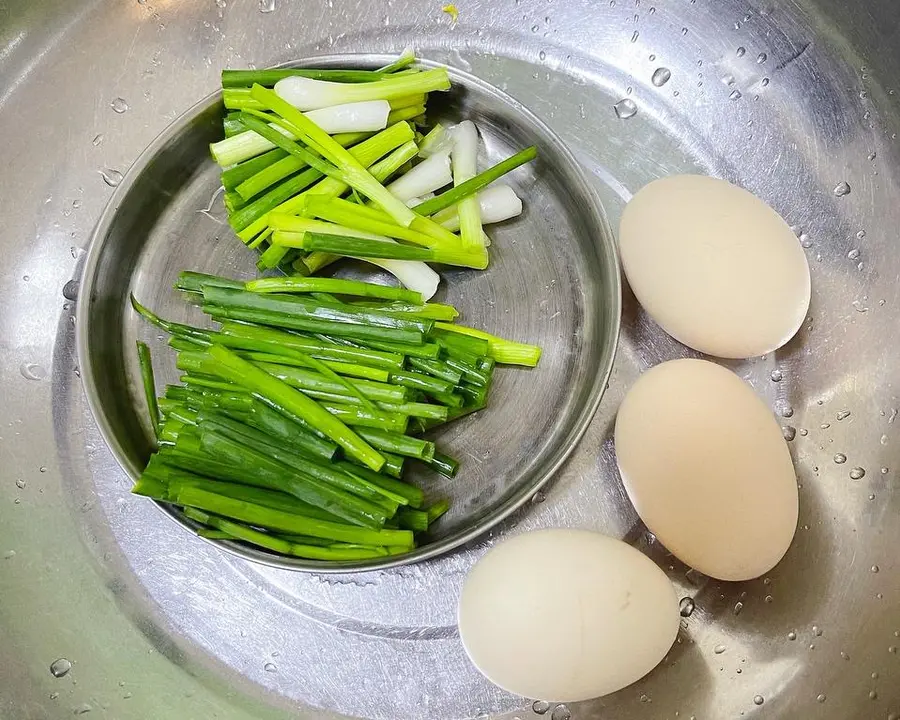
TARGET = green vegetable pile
x,y
296,417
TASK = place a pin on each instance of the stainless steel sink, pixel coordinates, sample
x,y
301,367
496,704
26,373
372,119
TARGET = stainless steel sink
x,y
795,101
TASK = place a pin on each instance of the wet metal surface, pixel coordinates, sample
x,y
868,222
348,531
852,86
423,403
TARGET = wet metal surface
x,y
795,101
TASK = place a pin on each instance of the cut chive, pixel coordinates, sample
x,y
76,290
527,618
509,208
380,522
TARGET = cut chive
x,y
243,373
333,285
503,351
149,384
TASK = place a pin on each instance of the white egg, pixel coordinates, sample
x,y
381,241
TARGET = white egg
x,y
566,615
715,266
707,469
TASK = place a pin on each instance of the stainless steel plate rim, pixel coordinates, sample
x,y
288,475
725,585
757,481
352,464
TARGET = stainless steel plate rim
x,y
430,550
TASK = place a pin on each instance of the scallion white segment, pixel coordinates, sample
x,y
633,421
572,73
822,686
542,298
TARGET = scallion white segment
x,y
243,146
439,139
497,203
428,176
307,94
465,156
369,116
412,274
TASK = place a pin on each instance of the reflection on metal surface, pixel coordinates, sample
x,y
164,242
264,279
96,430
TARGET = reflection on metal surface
x,y
157,624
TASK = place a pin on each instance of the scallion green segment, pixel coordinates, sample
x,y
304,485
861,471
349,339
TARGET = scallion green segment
x,y
346,167
479,182
335,286
246,78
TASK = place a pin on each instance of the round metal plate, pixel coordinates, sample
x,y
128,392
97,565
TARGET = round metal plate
x,y
158,624
553,280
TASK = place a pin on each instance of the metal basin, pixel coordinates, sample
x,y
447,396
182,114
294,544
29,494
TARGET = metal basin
x,y
157,624
553,279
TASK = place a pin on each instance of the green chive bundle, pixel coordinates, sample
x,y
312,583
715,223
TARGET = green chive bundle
x,y
296,418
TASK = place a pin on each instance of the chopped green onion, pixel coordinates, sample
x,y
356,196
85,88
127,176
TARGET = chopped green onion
x,y
246,78
480,181
333,285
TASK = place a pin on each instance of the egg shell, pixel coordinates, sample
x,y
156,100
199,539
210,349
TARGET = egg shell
x,y
706,466
716,267
566,615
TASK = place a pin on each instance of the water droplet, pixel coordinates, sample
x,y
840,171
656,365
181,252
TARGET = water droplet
x,y
634,36
118,105
542,56
270,667
719,649
817,631
761,58
42,468
805,242
857,473
821,697
111,177
872,155
843,415
70,290
776,375
738,607
60,668
788,432
758,699
539,707
768,599
853,254
684,31
32,371
840,458
538,497
686,606
735,95
20,484
804,432
841,189
873,695
560,712
784,409
646,698
661,76
266,6
625,109
874,568
741,51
